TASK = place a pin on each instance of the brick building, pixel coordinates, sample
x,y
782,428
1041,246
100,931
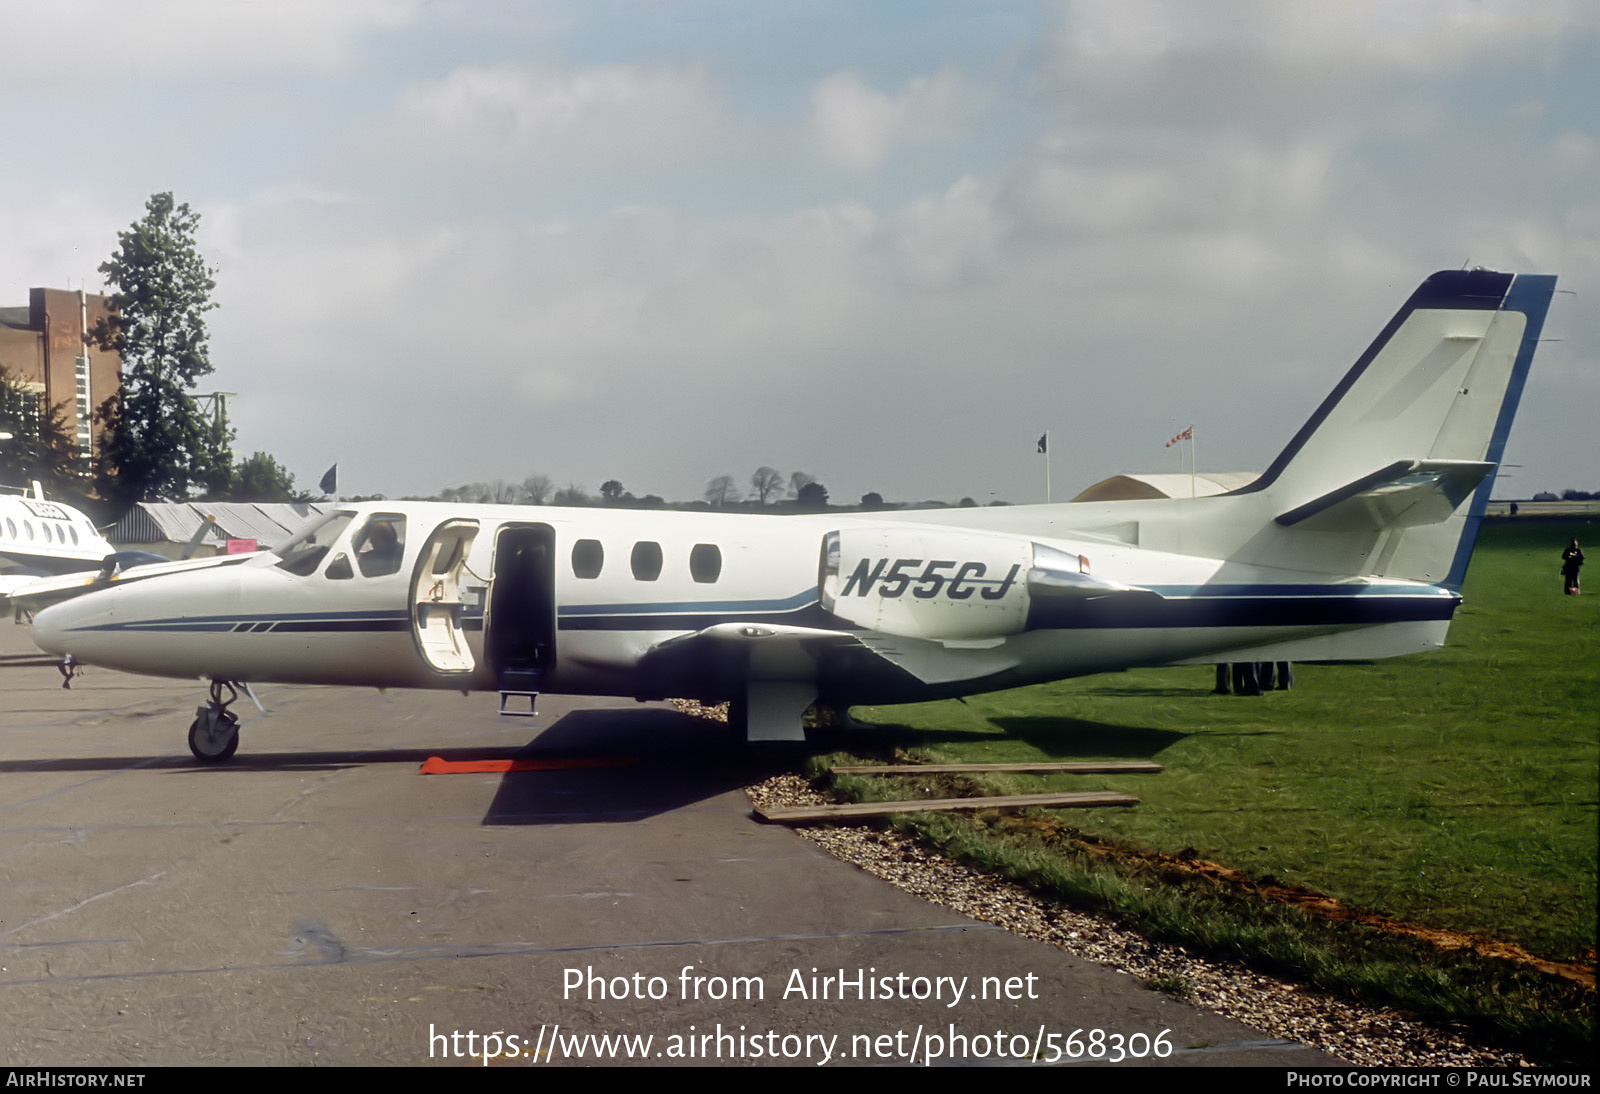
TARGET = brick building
x,y
45,345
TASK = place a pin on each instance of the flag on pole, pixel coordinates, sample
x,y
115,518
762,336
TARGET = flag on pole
x,y
1044,443
1186,435
330,481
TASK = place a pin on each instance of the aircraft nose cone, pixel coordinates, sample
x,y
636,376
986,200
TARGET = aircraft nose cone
x,y
49,630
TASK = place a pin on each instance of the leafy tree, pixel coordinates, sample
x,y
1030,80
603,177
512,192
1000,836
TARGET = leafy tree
x,y
611,491
571,494
156,442
261,478
720,490
871,500
41,446
813,496
766,482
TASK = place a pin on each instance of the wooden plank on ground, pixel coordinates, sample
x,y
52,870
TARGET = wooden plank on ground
x,y
806,814
1076,767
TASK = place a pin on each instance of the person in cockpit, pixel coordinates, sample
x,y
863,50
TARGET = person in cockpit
x,y
380,554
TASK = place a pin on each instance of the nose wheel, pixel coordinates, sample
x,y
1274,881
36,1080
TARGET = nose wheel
x,y
214,734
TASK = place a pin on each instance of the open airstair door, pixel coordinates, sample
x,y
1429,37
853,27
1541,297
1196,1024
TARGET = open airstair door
x,y
520,624
436,608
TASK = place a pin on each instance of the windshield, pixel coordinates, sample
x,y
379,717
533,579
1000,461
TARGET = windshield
x,y
303,553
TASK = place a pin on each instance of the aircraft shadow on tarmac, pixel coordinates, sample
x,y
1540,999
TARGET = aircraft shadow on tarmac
x,y
663,761
628,764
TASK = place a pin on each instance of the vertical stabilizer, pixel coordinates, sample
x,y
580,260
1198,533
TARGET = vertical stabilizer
x,y
1391,475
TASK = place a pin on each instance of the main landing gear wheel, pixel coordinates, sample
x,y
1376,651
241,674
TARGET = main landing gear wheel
x,y
214,733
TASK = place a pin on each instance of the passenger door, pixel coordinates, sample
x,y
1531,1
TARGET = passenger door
x,y
436,606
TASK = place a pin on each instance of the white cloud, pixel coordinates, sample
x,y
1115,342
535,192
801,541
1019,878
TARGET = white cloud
x,y
79,43
1400,35
608,114
854,125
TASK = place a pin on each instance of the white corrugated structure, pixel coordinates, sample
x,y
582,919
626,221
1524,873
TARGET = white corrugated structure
x,y
167,527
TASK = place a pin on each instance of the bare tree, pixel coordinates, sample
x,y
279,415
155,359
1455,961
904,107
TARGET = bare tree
x,y
721,490
571,494
797,482
536,489
767,481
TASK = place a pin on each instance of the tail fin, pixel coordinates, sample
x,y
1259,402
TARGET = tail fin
x,y
1391,475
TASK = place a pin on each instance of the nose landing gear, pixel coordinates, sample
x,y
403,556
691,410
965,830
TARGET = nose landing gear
x,y
214,734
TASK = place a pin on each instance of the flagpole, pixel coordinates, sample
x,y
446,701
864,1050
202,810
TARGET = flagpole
x,y
1043,449
1194,466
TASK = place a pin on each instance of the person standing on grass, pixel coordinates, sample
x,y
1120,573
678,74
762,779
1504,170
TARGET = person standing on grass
x,y
1571,563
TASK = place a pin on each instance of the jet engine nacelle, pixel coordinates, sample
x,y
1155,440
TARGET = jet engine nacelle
x,y
944,584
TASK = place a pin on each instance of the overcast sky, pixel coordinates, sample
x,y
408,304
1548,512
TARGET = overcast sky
x,y
888,244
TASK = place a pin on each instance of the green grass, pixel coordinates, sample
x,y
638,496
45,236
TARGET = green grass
x,y
1455,789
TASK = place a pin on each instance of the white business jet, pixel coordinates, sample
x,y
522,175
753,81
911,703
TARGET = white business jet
x,y
39,537
45,544
1352,545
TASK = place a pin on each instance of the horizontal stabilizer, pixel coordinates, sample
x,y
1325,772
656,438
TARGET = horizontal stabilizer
x,y
1407,493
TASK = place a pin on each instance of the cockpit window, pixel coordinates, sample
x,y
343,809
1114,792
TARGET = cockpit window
x,y
379,544
303,553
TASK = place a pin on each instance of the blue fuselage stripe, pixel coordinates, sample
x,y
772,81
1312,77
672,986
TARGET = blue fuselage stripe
x,y
1176,607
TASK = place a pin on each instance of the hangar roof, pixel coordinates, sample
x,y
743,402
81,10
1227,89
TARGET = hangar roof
x,y
267,523
1203,485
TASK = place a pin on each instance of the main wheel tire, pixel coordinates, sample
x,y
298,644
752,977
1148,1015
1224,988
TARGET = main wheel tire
x,y
214,738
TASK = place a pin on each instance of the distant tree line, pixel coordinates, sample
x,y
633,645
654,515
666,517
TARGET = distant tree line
x,y
1568,495
770,491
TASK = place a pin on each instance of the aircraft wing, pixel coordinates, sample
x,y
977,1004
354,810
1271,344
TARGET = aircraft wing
x,y
732,653
34,593
10,583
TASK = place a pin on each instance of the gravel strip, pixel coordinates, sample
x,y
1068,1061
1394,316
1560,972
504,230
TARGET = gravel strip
x,y
1356,1033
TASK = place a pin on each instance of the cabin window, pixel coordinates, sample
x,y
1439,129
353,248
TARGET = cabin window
x,y
74,532
27,526
61,534
705,563
646,560
380,544
46,528
587,558
11,527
